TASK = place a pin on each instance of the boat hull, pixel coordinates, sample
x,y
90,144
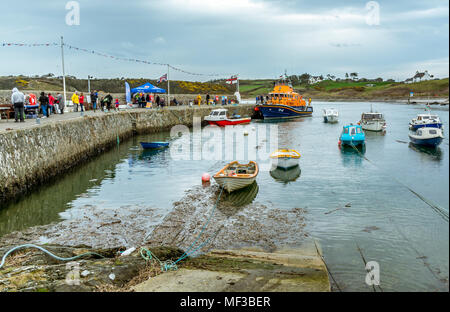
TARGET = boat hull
x,y
284,111
153,145
432,142
352,142
230,122
330,119
285,162
231,184
373,125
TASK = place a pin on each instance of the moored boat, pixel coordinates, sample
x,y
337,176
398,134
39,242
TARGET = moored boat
x,y
150,145
219,117
372,121
284,103
235,176
425,121
352,135
330,115
285,158
427,136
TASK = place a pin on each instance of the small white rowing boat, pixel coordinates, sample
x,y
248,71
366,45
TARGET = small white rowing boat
x,y
285,158
235,176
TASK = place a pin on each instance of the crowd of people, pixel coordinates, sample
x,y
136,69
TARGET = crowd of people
x,y
261,99
150,100
48,104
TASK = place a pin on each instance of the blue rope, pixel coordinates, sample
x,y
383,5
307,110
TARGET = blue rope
x,y
46,251
172,265
188,253
165,265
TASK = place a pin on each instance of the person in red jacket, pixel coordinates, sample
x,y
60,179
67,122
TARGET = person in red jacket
x,y
51,103
82,101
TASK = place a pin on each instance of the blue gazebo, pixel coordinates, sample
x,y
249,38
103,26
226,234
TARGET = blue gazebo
x,y
147,88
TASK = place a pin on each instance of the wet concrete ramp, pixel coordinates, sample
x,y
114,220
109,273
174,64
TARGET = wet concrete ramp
x,y
288,270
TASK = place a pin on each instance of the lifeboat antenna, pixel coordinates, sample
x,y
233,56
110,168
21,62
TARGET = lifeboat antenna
x,y
288,81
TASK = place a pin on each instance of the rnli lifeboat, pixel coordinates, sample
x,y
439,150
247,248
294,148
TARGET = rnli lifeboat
x,y
284,103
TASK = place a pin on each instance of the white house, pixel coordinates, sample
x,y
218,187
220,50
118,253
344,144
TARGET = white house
x,y
422,76
315,79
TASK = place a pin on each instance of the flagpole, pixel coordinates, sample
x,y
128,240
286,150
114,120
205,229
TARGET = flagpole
x,y
168,86
63,72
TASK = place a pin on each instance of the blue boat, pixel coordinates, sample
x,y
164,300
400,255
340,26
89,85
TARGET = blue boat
x,y
425,121
427,136
153,145
352,135
284,111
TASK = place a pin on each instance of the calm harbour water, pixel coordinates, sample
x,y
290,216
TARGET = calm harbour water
x,y
390,224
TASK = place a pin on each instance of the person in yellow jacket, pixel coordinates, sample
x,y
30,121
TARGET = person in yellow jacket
x,y
199,99
75,100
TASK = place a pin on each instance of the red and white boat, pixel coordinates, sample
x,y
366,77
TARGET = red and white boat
x,y
219,117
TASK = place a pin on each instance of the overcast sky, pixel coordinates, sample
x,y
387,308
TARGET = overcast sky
x,y
252,38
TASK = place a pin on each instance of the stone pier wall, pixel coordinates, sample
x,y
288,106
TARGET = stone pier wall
x,y
32,156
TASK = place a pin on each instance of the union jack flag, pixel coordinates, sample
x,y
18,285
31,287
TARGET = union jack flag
x,y
162,78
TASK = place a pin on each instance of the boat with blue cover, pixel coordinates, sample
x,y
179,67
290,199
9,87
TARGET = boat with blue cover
x,y
427,136
284,103
425,121
352,135
153,145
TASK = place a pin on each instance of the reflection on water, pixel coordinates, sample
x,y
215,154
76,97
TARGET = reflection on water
x,y
433,153
231,203
351,156
285,175
149,154
43,206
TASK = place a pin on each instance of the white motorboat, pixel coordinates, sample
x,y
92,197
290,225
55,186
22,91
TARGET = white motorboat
x,y
330,115
425,121
235,176
285,158
427,136
372,121
219,117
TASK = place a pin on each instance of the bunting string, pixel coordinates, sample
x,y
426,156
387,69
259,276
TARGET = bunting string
x,y
71,47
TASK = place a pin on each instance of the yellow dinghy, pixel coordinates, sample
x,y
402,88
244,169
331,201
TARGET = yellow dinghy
x,y
235,176
285,158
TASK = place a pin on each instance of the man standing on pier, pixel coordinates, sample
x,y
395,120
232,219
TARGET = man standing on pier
x,y
94,97
17,100
61,103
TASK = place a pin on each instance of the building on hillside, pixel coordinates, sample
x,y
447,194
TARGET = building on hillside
x,y
315,79
420,77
